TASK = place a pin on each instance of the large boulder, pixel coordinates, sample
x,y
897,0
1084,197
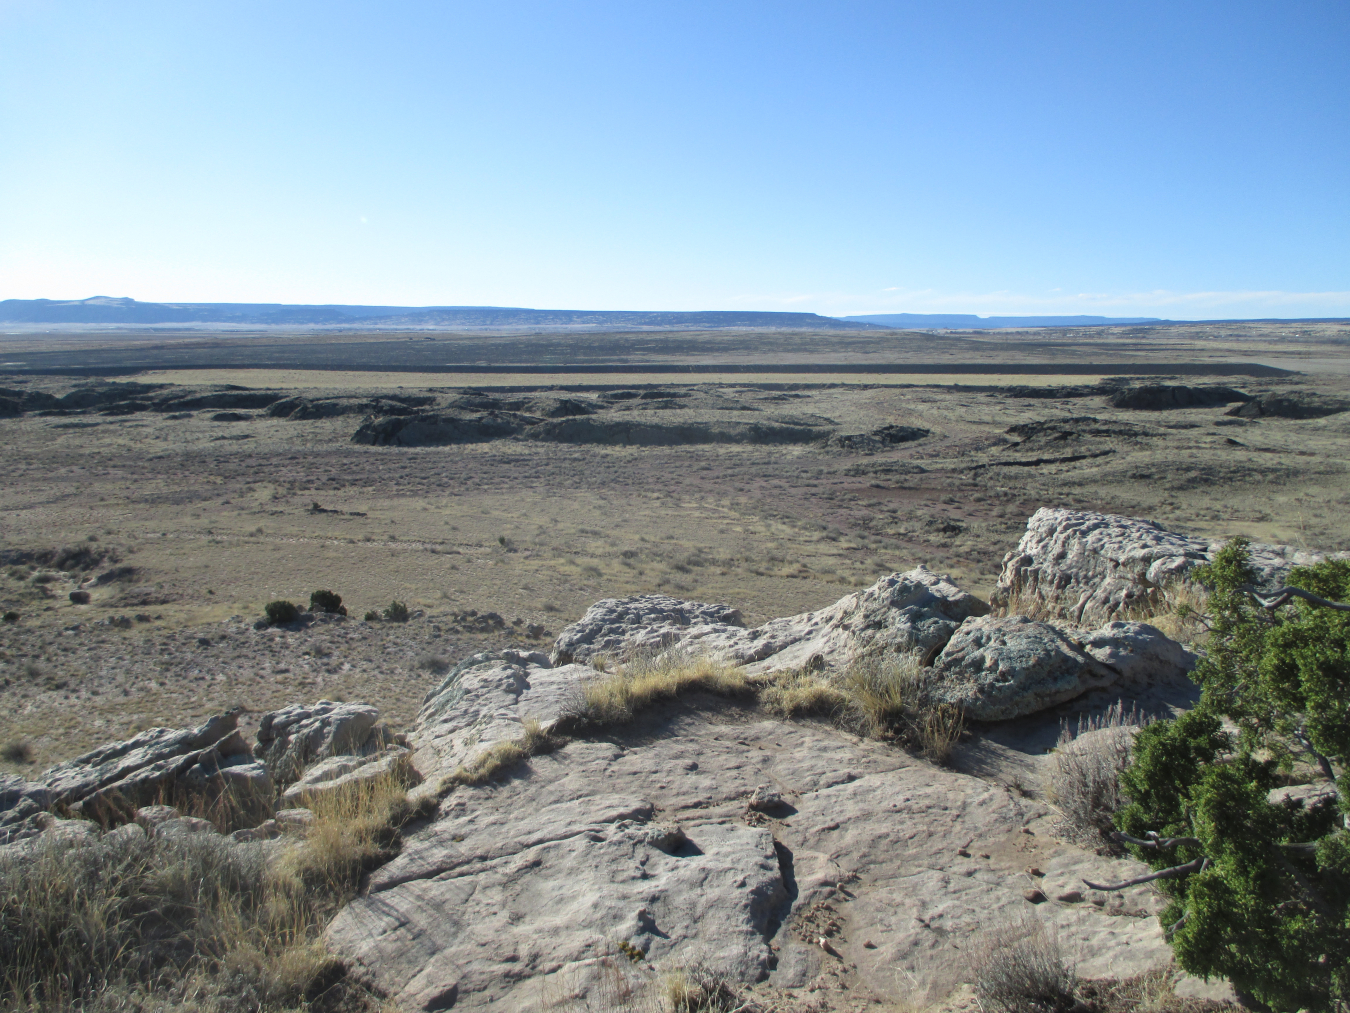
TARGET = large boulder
x,y
914,611
20,803
997,669
486,699
1091,567
292,738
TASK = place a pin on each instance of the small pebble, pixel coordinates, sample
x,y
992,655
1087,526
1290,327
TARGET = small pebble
x,y
1035,896
1071,897
1033,871
869,945
963,852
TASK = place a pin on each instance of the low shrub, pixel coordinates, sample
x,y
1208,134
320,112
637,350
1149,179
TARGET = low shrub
x,y
1019,968
372,616
1084,779
17,752
327,601
10,617
432,662
397,612
281,611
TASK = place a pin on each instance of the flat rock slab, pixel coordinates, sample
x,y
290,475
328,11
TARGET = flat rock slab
x,y
525,888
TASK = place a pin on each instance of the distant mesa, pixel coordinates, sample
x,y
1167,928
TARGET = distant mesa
x,y
129,312
971,322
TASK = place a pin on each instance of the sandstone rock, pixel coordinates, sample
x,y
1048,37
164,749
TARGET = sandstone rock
x,y
529,884
21,802
1091,567
151,816
394,763
997,669
765,798
645,623
117,778
914,611
484,700
1138,651
294,820
295,736
185,825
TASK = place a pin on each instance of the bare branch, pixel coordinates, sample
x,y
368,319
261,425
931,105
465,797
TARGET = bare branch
x,y
1177,870
1272,600
1308,849
1156,843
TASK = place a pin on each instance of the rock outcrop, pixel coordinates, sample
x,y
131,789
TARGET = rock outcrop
x,y
294,737
631,431
914,611
486,699
1092,567
439,430
208,761
1161,396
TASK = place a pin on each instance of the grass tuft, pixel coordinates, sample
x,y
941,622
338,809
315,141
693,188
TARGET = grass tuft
x,y
888,699
640,684
1019,969
493,762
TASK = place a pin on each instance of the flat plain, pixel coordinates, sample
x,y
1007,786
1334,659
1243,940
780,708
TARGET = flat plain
x,y
193,521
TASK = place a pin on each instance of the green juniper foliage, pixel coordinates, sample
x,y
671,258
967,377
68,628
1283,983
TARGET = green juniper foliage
x,y
1270,909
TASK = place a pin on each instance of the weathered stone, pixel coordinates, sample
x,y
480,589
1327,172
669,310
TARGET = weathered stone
x,y
115,779
1138,651
292,738
486,699
186,825
294,820
394,763
529,884
765,798
997,669
151,816
907,612
1092,567
645,623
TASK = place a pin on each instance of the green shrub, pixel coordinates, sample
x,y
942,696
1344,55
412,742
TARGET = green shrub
x,y
10,617
372,616
1260,890
281,611
397,612
327,601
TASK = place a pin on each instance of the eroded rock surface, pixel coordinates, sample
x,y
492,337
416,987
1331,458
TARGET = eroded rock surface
x,y
997,669
648,837
912,611
294,737
486,699
1092,567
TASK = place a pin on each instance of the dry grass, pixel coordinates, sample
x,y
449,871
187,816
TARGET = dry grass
x,y
640,684
1181,613
1150,992
1019,969
618,988
888,699
1084,781
799,693
136,922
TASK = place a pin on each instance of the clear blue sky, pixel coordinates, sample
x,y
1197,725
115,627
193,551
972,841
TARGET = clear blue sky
x,y
1173,159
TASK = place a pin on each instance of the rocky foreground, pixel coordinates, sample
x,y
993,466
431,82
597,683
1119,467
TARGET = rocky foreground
x,y
791,856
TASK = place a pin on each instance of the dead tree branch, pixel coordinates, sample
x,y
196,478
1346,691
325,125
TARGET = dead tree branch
x,y
1177,870
1271,600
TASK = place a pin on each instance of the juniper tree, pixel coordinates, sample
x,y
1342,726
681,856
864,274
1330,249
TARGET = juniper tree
x,y
1259,889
